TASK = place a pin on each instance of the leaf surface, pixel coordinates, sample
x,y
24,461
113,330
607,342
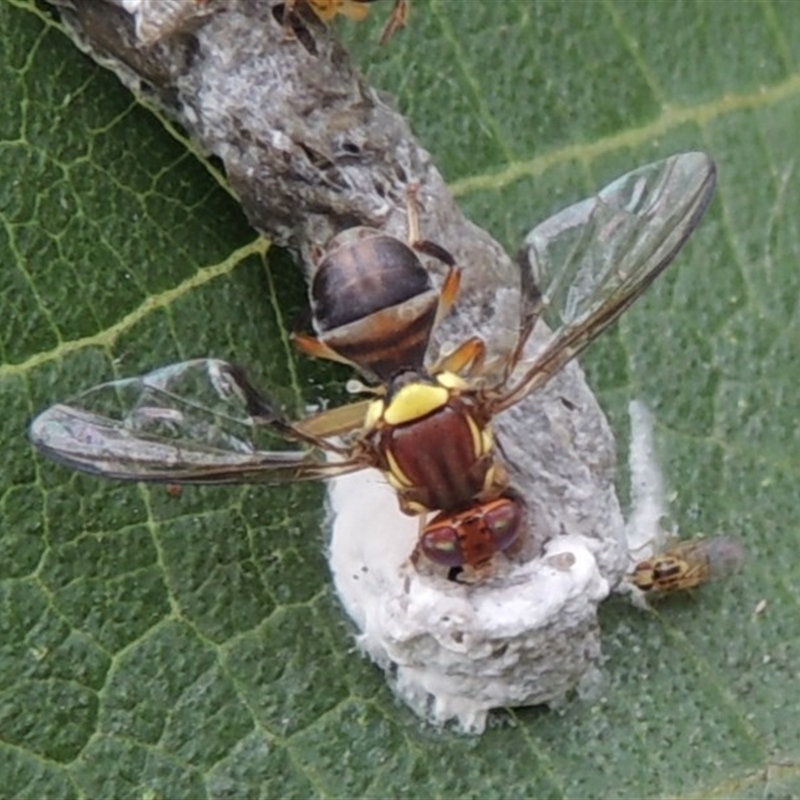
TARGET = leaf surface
x,y
191,645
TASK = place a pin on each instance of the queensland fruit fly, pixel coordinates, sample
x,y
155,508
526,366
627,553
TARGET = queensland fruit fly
x,y
428,429
688,564
326,10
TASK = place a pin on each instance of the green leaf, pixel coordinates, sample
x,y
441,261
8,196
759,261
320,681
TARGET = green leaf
x,y
187,646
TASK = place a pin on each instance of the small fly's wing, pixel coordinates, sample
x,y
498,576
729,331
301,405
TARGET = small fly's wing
x,y
589,262
199,421
721,556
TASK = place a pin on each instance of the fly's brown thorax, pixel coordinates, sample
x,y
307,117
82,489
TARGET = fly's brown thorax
x,y
435,446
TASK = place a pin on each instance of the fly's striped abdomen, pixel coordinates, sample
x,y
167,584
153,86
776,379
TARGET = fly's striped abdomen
x,y
374,303
365,271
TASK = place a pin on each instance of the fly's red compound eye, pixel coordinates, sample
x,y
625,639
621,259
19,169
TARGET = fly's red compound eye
x,y
503,519
441,544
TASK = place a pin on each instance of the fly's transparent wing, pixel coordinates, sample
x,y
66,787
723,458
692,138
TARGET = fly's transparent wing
x,y
720,556
199,421
589,262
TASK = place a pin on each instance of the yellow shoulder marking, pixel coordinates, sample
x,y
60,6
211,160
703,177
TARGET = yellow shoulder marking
x,y
414,401
452,381
374,414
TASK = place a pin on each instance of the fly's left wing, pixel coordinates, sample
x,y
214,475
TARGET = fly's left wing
x,y
589,262
199,421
